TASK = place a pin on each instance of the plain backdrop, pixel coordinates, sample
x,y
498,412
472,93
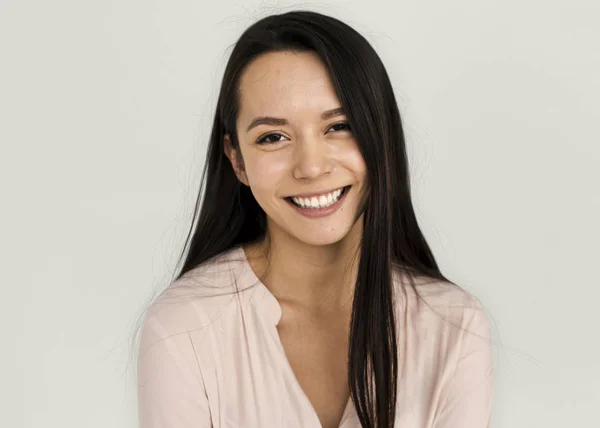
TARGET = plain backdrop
x,y
105,111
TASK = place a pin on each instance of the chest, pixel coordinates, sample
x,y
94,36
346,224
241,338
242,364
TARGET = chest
x,y
316,349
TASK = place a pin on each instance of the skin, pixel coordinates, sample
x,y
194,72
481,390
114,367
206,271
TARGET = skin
x,y
313,260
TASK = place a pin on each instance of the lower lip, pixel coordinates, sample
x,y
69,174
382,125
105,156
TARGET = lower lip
x,y
320,212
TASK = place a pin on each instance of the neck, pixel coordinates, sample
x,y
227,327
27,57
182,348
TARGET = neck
x,y
315,277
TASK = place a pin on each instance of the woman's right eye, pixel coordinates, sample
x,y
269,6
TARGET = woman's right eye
x,y
265,139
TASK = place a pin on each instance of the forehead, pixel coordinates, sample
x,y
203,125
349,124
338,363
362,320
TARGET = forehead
x,y
285,83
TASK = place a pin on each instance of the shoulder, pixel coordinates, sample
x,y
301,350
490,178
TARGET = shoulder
x,y
435,294
196,299
444,307
444,327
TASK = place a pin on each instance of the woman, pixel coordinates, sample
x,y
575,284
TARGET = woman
x,y
309,297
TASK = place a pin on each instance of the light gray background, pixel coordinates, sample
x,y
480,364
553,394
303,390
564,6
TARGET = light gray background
x,y
105,110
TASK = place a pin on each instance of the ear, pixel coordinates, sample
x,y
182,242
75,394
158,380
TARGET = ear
x,y
235,157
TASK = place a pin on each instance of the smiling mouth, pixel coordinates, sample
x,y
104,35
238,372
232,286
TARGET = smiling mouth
x,y
322,201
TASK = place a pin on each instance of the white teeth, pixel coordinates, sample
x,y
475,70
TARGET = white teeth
x,y
320,201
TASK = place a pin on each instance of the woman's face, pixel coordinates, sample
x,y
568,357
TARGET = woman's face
x,y
300,158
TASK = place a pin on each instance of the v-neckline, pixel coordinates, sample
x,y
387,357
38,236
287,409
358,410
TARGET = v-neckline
x,y
292,375
289,371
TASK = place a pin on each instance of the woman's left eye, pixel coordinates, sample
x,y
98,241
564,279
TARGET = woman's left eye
x,y
342,124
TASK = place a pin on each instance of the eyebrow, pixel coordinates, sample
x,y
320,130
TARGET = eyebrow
x,y
277,121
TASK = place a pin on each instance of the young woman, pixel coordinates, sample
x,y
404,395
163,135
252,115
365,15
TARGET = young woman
x,y
309,297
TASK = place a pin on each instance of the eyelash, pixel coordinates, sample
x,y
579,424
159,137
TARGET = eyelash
x,y
261,139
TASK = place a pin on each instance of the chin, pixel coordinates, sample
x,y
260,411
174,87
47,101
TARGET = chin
x,y
319,240
321,235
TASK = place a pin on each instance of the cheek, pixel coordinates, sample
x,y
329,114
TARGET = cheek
x,y
360,167
266,171
352,160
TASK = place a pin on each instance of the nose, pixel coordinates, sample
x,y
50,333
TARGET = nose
x,y
312,159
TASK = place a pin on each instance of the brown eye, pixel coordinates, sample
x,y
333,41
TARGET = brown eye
x,y
266,139
345,126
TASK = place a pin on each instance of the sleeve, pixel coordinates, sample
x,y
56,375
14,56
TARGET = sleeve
x,y
170,389
467,398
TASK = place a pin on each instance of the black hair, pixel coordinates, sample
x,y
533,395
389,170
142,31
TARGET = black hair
x,y
228,216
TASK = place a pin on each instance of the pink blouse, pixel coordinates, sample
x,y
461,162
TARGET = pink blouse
x,y
211,357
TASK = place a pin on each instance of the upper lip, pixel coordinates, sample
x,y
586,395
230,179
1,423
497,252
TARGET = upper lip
x,y
318,193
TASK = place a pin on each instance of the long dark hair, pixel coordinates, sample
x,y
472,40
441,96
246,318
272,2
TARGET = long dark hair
x,y
229,216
